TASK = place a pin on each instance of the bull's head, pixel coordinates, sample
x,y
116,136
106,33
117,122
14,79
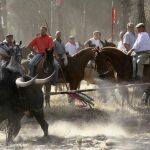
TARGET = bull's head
x,y
20,82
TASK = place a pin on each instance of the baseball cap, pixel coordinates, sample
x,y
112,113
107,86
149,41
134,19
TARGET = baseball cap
x,y
140,25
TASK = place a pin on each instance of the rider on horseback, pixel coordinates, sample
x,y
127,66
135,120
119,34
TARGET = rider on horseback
x,y
39,44
5,48
142,49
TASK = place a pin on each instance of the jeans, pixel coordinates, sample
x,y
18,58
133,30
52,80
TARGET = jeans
x,y
134,62
34,61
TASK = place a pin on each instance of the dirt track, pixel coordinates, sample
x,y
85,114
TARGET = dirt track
x,y
73,128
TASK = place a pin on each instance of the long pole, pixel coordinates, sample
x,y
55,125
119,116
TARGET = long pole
x,y
98,89
112,32
51,26
113,17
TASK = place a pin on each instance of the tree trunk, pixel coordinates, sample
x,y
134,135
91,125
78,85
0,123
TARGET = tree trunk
x,y
141,12
1,26
4,15
125,13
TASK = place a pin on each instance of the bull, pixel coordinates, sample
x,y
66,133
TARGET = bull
x,y
17,95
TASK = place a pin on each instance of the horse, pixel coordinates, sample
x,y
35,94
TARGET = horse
x,y
74,71
43,69
90,74
115,65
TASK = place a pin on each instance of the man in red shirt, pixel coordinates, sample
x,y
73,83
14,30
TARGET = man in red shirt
x,y
39,44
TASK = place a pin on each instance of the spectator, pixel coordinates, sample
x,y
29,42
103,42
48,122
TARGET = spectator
x,y
95,41
72,46
59,46
129,37
5,48
142,48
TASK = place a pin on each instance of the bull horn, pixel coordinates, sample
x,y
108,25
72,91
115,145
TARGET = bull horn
x,y
45,80
21,83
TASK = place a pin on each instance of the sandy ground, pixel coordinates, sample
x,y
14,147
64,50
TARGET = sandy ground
x,y
106,127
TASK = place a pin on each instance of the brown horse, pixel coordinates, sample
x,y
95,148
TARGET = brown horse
x,y
113,64
110,60
91,74
74,71
43,69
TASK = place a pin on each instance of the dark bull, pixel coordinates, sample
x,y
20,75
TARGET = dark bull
x,y
18,95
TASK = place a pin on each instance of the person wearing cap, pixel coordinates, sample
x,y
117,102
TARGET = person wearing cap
x,y
5,48
142,48
128,41
38,45
8,43
72,46
95,41
129,37
59,46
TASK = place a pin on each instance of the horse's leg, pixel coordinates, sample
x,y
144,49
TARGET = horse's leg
x,y
40,119
73,86
125,95
47,94
146,96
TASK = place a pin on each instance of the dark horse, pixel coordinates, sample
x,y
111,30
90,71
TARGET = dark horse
x,y
113,64
43,69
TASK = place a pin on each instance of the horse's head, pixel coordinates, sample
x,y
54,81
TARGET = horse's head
x,y
48,61
104,67
49,55
16,51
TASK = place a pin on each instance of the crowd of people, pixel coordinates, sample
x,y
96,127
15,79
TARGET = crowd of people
x,y
137,45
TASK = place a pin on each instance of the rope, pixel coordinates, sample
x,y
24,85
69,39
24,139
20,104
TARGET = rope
x,y
96,89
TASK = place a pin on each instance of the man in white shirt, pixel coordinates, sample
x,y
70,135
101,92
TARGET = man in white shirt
x,y
128,42
142,48
72,46
129,37
95,41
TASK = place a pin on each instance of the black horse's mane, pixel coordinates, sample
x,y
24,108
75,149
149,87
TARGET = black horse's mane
x,y
112,50
82,51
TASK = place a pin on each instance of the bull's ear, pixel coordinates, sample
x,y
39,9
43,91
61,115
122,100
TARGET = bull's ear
x,y
20,43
